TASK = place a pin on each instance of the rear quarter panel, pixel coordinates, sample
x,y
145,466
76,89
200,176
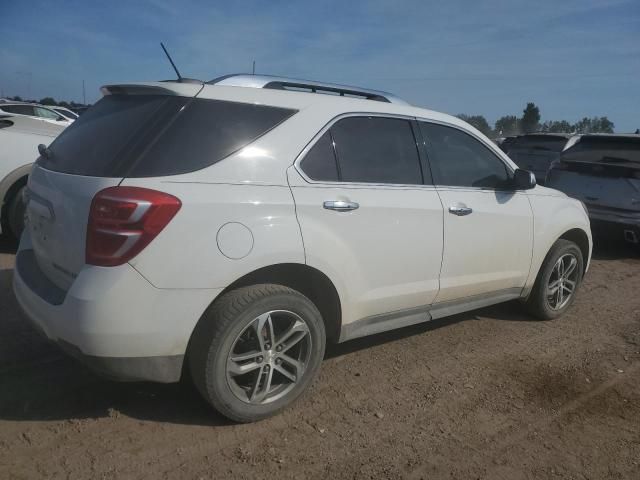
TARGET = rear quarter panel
x,y
187,253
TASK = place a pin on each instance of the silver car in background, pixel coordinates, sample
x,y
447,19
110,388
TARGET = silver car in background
x,y
603,170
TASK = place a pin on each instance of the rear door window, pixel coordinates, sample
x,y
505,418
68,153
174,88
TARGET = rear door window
x,y
377,150
157,135
320,162
458,159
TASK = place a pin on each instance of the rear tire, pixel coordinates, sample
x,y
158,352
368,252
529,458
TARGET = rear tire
x,y
16,214
256,350
558,281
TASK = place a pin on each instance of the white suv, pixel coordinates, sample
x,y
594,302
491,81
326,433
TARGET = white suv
x,y
236,226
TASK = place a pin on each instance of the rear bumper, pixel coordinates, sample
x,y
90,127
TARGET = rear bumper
x,y
599,215
112,319
615,223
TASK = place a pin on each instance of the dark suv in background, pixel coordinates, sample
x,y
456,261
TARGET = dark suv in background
x,y
603,171
535,152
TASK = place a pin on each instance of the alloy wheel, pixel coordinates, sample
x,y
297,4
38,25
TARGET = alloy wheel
x,y
562,281
269,357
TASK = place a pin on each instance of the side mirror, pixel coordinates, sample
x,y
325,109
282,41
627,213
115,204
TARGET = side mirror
x,y
524,179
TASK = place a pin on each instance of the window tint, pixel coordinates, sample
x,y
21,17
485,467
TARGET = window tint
x,y
376,150
548,143
604,149
206,132
46,113
320,163
19,109
458,159
66,113
157,135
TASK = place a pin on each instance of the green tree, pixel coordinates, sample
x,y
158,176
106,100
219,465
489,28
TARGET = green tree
x,y
507,125
604,125
478,121
17,98
594,125
556,126
47,101
530,118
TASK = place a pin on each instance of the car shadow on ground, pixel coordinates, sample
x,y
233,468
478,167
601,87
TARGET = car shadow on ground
x,y
38,382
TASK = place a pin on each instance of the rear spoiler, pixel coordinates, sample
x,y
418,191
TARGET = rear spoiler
x,y
155,88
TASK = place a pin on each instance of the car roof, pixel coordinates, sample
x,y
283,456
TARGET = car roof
x,y
309,86
608,135
295,99
5,104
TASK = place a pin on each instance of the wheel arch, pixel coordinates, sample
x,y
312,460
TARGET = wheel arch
x,y
580,238
9,186
309,281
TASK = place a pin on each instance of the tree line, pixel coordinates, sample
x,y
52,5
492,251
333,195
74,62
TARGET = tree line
x,y
49,101
529,122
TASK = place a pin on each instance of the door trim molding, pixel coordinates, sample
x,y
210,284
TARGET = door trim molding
x,y
412,316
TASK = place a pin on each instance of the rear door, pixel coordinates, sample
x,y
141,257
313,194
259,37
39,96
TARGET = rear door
x,y
488,227
369,218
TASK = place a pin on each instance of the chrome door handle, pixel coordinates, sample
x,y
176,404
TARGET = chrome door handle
x,y
460,211
340,205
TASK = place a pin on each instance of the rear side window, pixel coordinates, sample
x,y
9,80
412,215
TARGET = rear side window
x,y
605,150
18,109
157,135
320,162
547,143
458,159
376,150
206,132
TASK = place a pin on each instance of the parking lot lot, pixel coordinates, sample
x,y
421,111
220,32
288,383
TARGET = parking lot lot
x,y
488,394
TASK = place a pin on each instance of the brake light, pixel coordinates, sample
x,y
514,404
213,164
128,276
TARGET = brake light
x,y
123,221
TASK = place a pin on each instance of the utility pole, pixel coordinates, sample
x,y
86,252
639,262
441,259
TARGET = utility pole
x,y
84,95
253,71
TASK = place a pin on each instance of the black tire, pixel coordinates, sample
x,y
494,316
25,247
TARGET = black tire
x,y
217,332
538,303
15,214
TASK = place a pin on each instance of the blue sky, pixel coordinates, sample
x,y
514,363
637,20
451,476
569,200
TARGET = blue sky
x,y
573,58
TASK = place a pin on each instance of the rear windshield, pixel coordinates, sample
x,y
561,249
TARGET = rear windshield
x,y
546,143
622,151
157,135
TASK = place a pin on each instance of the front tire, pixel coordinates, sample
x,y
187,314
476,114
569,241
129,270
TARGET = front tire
x,y
558,281
256,351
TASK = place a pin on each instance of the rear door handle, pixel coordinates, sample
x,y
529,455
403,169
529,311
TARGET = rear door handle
x,y
460,211
340,205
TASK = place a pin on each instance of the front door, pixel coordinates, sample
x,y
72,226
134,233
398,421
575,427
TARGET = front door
x,y
488,225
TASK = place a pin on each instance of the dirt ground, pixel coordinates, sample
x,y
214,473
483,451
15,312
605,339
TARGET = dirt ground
x,y
490,394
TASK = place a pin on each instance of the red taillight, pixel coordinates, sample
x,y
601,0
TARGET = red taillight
x,y
123,221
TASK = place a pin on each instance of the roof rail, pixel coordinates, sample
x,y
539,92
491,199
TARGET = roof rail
x,y
309,86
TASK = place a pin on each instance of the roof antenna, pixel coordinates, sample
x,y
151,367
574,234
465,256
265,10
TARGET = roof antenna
x,y
172,64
